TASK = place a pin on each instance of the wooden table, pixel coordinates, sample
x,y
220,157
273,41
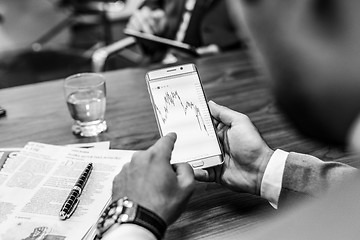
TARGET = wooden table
x,y
38,113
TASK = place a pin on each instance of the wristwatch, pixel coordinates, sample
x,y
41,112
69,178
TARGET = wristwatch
x,y
126,211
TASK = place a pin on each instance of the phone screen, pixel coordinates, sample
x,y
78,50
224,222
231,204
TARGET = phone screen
x,y
180,106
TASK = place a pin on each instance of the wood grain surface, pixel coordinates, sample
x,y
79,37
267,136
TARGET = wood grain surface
x,y
38,113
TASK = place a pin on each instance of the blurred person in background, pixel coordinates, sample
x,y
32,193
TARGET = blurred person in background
x,y
130,6
203,24
311,51
65,31
98,22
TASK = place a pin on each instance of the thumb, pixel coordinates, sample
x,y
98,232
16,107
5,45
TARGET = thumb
x,y
222,114
205,175
185,174
158,14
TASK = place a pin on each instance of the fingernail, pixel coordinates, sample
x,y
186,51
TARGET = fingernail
x,y
172,135
211,101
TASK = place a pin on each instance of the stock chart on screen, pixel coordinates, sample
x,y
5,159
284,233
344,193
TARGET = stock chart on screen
x,y
181,107
173,102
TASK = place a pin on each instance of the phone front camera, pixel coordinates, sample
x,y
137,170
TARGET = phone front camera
x,y
181,68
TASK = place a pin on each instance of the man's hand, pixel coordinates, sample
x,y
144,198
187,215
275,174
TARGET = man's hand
x,y
152,182
148,21
246,153
211,49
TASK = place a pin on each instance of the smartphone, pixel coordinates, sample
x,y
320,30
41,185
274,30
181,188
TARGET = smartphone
x,y
180,106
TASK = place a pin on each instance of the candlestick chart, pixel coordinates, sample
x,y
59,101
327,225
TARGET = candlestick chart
x,y
180,107
173,100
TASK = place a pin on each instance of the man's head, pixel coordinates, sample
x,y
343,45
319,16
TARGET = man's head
x,y
312,51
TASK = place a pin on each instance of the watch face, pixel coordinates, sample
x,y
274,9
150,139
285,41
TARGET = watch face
x,y
118,209
127,203
123,218
118,212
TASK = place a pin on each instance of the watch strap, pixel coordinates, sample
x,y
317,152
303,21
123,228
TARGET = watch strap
x,y
151,221
126,211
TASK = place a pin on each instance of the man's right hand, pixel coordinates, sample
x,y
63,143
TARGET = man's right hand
x,y
151,181
246,154
148,21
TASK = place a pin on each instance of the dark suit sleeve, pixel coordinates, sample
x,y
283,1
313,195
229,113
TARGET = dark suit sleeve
x,y
307,176
218,28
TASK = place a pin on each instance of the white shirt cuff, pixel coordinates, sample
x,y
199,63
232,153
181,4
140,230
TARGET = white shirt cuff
x,y
128,231
272,179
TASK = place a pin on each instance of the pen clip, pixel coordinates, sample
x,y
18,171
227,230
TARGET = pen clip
x,y
65,215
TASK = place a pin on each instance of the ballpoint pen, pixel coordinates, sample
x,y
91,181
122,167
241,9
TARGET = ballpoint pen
x,y
72,201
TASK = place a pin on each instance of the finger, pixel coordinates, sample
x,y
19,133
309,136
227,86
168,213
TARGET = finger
x,y
164,146
210,49
205,175
132,23
143,20
215,122
136,20
150,26
150,20
221,130
223,114
185,174
157,16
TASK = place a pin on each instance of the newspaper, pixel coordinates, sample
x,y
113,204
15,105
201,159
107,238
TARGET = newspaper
x,y
36,182
10,153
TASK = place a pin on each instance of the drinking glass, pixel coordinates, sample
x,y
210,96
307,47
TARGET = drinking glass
x,y
85,95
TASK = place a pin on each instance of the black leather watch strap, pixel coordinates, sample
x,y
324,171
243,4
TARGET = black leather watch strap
x,y
150,221
125,211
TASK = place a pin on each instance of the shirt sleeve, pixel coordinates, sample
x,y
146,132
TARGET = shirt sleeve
x,y
129,232
272,179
